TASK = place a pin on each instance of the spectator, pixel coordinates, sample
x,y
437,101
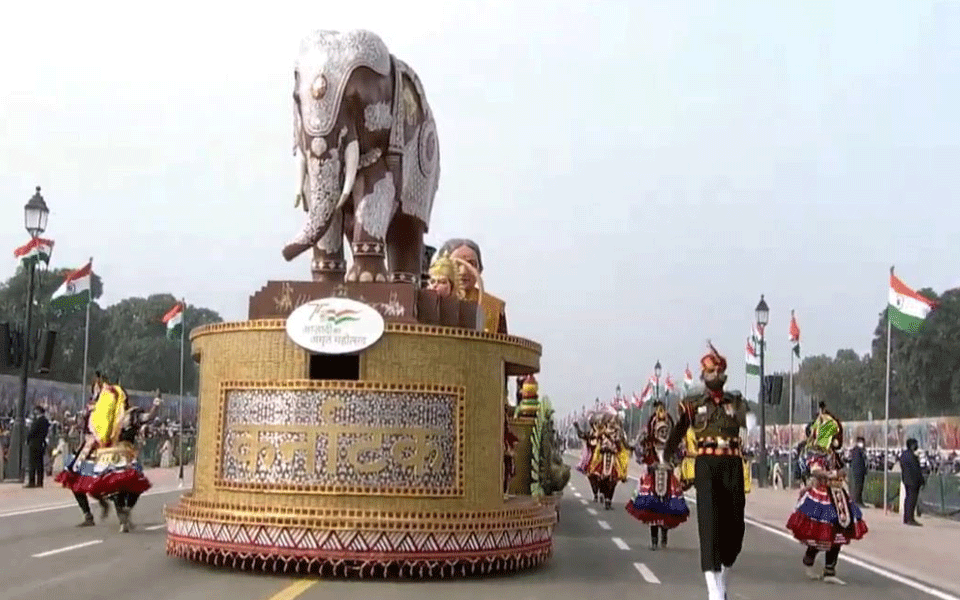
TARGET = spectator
x,y
913,480
858,471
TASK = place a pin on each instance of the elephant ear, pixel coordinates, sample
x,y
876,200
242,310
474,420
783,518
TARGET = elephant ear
x,y
326,61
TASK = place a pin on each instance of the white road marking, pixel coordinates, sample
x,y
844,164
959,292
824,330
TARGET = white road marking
x,y
592,511
155,527
921,587
573,489
584,501
67,548
577,495
604,525
48,507
646,573
621,544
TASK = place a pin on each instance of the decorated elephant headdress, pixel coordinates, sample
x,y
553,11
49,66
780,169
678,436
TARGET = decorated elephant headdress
x,y
325,62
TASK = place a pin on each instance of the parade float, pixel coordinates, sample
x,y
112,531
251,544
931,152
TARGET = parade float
x,y
354,424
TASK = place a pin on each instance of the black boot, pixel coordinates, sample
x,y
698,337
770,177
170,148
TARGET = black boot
x,y
663,537
104,508
653,537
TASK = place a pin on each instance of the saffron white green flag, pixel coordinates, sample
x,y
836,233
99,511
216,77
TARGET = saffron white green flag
x,y
752,360
907,308
174,320
38,249
75,289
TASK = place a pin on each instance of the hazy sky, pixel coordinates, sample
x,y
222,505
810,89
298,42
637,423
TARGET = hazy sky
x,y
637,172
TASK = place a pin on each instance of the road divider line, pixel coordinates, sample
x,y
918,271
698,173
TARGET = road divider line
x,y
155,527
592,511
576,495
604,525
620,543
67,548
584,501
294,590
646,573
61,506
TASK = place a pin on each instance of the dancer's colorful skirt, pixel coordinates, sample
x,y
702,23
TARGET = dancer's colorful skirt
x,y
668,511
586,455
114,470
815,522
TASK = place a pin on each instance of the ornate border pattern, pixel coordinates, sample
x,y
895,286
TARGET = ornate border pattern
x,y
306,384
390,327
518,511
343,552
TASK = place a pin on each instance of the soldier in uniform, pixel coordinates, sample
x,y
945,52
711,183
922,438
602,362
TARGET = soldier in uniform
x,y
716,418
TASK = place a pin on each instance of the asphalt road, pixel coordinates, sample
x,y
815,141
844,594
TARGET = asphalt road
x,y
598,553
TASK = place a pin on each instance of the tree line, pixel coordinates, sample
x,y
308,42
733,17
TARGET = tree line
x,y
127,341
925,372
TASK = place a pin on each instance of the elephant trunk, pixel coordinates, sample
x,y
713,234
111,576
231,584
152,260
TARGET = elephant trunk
x,y
324,202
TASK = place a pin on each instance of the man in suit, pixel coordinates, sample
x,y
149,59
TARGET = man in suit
x,y
913,480
858,471
37,447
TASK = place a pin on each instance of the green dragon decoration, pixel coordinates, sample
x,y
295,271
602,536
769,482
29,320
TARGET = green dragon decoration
x,y
548,473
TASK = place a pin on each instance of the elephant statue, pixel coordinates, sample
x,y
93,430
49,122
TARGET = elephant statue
x,y
369,159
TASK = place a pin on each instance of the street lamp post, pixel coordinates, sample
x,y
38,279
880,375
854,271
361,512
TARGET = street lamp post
x,y
763,317
35,221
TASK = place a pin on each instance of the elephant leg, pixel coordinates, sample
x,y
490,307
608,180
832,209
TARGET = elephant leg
x,y
405,248
374,210
328,262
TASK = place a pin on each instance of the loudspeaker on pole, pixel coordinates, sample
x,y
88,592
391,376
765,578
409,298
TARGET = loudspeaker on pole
x,y
48,341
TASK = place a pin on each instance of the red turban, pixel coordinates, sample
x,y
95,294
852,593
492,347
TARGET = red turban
x,y
712,360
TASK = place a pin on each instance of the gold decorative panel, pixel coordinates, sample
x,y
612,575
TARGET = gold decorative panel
x,y
340,437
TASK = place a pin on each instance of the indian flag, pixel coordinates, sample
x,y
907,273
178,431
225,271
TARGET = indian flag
x,y
907,308
75,289
174,320
38,249
794,334
752,360
687,379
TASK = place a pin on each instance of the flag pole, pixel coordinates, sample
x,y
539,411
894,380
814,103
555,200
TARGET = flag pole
x,y
86,339
790,418
886,419
183,330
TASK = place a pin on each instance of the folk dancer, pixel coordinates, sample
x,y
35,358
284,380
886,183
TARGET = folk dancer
x,y
104,466
825,518
716,418
134,418
611,457
590,439
68,477
658,501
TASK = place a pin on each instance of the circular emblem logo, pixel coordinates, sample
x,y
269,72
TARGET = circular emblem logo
x,y
335,326
71,288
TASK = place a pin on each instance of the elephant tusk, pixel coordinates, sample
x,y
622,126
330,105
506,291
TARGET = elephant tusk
x,y
351,161
301,198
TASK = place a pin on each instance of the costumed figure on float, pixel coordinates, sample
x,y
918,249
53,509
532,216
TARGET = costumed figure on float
x,y
611,457
658,501
717,419
105,465
825,518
